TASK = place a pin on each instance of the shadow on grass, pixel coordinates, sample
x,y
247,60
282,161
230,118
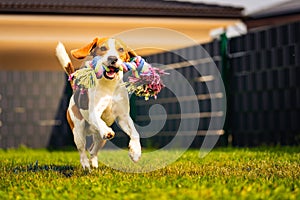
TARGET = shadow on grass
x,y
65,170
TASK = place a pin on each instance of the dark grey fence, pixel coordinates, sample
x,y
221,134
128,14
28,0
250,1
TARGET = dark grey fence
x,y
263,94
265,87
32,109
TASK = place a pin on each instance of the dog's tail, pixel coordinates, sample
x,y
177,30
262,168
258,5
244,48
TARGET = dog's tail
x,y
64,59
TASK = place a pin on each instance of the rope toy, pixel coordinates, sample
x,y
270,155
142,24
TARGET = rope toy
x,y
144,80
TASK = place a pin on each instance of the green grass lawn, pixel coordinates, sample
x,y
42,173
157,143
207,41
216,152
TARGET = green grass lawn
x,y
225,173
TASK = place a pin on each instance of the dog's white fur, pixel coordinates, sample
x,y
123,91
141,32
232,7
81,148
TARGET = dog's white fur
x,y
108,102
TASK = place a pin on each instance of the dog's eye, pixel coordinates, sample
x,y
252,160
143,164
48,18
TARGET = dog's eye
x,y
103,48
121,49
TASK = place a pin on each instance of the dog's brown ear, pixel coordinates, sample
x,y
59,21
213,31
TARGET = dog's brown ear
x,y
130,54
84,51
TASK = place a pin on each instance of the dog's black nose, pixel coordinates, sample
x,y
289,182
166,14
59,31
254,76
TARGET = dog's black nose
x,y
112,60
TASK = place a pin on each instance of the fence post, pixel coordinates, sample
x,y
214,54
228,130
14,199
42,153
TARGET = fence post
x,y
225,73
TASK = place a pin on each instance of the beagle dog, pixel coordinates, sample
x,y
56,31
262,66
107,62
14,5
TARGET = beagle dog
x,y
94,111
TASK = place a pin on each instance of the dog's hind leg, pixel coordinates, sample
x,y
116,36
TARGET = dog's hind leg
x,y
80,141
77,124
97,144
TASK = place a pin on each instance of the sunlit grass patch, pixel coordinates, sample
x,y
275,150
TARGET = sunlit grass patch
x,y
226,173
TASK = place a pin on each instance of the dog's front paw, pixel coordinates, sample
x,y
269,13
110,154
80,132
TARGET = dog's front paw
x,y
135,151
94,161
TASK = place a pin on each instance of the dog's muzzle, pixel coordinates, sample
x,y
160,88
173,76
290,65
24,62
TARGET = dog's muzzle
x,y
111,73
112,69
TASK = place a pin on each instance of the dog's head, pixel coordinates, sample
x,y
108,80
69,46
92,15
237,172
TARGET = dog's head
x,y
113,53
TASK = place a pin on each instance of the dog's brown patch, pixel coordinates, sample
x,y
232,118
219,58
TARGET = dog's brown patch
x,y
69,68
76,112
71,124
